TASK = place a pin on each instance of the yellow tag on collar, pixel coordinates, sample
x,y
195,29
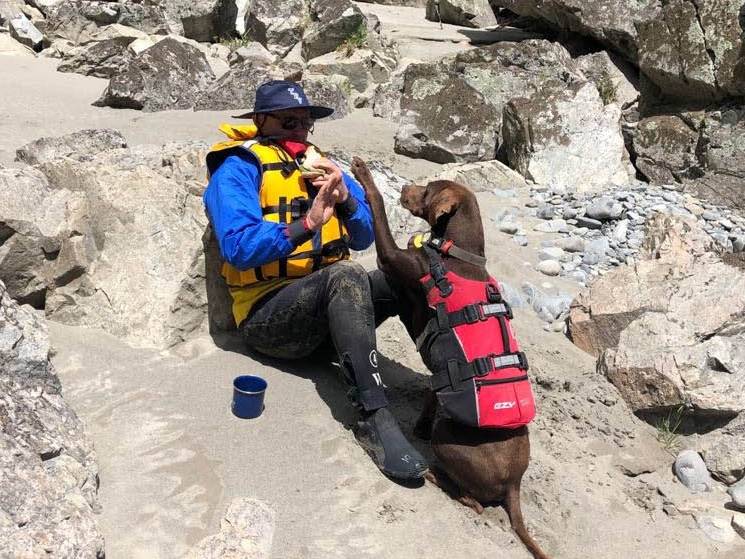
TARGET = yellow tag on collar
x,y
418,240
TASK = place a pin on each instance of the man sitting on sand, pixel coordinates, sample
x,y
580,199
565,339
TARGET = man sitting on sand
x,y
285,224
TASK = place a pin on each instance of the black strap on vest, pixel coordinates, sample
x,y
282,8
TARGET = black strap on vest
x,y
437,271
458,372
469,314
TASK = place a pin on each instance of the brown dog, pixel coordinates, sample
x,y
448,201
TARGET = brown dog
x,y
480,465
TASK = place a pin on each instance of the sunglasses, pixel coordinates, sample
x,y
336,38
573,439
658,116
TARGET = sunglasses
x,y
293,122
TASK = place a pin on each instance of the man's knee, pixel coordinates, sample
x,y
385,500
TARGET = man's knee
x,y
349,275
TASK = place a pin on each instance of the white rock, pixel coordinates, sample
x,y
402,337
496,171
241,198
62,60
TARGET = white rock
x,y
715,528
549,267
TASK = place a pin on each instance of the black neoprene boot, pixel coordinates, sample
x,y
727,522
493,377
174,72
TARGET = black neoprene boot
x,y
379,434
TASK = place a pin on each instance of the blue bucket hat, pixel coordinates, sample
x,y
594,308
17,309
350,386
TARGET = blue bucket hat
x,y
279,95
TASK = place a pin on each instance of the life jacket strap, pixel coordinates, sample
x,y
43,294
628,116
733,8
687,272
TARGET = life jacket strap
x,y
467,315
438,272
449,248
458,372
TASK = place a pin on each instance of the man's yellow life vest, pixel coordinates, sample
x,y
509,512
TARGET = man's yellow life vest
x,y
284,197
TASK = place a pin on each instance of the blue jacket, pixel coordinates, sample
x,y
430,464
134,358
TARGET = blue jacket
x,y
246,240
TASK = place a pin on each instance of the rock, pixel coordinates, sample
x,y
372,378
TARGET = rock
x,y
549,267
204,20
588,222
724,450
738,524
706,58
466,13
614,77
548,134
572,244
168,75
715,528
236,89
509,227
521,240
253,51
329,91
480,176
386,102
40,243
666,149
363,67
279,27
551,253
737,492
332,23
658,345
47,463
553,226
620,231
604,208
25,32
443,119
102,59
246,532
692,472
82,143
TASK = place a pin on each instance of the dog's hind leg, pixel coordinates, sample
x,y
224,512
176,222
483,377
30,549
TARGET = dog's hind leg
x,y
423,427
439,478
512,505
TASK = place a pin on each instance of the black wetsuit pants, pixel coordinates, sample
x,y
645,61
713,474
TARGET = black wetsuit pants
x,y
340,302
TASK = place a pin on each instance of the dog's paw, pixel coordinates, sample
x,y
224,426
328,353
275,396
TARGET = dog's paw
x,y
362,173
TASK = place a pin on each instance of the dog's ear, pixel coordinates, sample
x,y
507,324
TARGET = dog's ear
x,y
442,207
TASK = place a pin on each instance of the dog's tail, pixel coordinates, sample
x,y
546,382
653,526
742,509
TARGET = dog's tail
x,y
512,504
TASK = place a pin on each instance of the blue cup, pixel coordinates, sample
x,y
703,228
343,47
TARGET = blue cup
x,y
248,396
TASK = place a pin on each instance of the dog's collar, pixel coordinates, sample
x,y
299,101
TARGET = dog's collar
x,y
448,248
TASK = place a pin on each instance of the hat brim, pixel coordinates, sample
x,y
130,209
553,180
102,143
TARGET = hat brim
x,y
316,111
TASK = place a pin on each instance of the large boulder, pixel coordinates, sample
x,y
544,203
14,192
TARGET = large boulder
x,y
693,49
277,26
102,59
665,147
86,142
329,91
669,329
148,231
48,496
724,451
443,118
25,32
169,75
333,23
236,89
204,20
564,136
42,241
466,13
364,68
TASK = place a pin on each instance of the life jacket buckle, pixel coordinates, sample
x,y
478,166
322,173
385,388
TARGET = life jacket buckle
x,y
492,294
473,313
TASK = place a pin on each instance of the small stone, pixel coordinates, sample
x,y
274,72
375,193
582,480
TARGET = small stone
x,y
572,244
738,524
691,471
738,245
553,226
509,227
549,267
716,529
551,253
558,326
589,223
546,212
726,223
521,240
669,197
737,492
708,215
499,193
604,208
570,213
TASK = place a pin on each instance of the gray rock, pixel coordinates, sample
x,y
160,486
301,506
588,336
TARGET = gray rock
x,y
737,492
549,267
434,105
716,529
521,240
466,13
691,471
102,59
589,223
738,524
509,227
738,245
168,75
277,26
25,32
666,149
551,253
84,142
329,91
363,67
572,244
236,89
604,208
48,466
203,20
333,22
546,212
254,51
553,226
724,450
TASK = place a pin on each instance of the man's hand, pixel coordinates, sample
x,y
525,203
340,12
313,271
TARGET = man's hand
x,y
323,207
333,179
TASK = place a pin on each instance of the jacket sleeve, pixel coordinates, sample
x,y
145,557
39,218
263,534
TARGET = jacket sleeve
x,y
232,201
359,222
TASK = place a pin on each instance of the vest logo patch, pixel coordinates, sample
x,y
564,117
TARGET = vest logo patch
x,y
504,405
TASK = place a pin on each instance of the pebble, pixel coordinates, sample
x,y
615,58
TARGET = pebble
x,y
558,326
708,215
546,212
572,244
604,208
549,267
553,226
691,471
716,529
551,253
521,240
737,492
738,245
509,227
738,524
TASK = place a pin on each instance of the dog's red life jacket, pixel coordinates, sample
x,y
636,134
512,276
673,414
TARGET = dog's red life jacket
x,y
479,373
